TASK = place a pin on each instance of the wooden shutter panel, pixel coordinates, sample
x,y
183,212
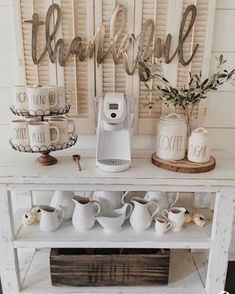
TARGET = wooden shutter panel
x,y
87,79
109,76
41,73
77,76
146,120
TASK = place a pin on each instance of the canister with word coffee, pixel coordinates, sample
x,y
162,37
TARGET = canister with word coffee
x,y
171,137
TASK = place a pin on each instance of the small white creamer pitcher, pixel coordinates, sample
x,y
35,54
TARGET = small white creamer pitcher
x,y
176,215
84,213
51,218
141,217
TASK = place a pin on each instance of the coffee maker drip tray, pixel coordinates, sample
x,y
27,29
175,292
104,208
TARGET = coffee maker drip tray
x,y
113,165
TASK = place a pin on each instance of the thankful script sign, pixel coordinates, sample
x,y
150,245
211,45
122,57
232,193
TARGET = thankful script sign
x,y
149,45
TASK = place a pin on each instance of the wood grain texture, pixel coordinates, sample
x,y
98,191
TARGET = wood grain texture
x,y
184,166
109,267
183,279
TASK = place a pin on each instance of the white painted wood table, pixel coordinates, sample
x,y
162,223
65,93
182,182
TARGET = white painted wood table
x,y
19,173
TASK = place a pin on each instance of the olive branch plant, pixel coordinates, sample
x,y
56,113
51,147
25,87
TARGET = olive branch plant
x,y
195,90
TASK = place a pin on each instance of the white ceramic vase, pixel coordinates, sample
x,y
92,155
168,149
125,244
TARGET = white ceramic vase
x,y
64,199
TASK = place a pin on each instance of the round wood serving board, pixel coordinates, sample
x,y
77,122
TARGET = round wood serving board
x,y
184,166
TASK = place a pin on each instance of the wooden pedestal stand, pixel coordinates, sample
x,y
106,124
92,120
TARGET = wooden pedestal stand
x,y
46,159
184,166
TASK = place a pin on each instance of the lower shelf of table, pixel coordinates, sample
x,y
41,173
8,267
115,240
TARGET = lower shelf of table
x,y
187,276
190,236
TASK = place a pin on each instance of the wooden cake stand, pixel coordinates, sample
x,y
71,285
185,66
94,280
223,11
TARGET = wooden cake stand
x,y
184,165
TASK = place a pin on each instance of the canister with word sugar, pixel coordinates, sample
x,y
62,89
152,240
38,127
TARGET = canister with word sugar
x,y
171,137
199,146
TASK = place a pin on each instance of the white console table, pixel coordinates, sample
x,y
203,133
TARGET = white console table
x,y
19,173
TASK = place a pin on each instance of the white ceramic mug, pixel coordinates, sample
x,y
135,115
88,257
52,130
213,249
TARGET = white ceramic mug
x,y
20,98
20,132
66,128
176,215
162,226
39,135
39,101
51,218
57,97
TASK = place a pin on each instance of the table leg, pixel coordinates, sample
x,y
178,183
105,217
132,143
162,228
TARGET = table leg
x,y
221,237
9,265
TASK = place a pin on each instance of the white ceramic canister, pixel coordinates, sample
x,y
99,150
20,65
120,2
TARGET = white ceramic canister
x,y
171,137
199,149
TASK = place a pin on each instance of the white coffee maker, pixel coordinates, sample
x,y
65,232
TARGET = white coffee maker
x,y
114,132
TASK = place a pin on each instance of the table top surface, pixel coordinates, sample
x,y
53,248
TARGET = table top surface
x,y
20,168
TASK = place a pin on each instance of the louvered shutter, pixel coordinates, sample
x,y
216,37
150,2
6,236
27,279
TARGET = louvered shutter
x,y
76,76
157,11
42,73
109,76
88,79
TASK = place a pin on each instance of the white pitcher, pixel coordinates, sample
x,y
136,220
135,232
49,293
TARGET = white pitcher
x,y
84,213
176,215
108,200
141,217
161,198
51,218
64,199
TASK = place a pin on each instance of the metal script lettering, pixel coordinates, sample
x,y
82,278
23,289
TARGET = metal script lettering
x,y
95,46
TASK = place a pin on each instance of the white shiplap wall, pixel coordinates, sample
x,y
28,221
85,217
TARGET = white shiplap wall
x,y
220,116
8,66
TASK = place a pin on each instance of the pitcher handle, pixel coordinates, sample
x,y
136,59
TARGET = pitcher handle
x,y
60,214
157,208
176,199
130,210
123,197
96,205
169,226
165,213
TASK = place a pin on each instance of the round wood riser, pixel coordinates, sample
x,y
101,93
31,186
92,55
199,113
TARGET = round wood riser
x,y
46,159
184,165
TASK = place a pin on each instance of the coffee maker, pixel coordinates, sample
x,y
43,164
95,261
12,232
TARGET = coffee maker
x,y
114,132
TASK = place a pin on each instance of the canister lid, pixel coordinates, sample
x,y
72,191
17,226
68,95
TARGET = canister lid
x,y
173,117
200,132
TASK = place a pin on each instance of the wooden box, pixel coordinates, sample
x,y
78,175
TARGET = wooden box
x,y
109,267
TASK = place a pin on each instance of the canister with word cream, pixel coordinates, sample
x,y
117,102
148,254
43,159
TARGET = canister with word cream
x,y
199,146
171,137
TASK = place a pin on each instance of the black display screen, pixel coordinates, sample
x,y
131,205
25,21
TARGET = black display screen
x,y
113,106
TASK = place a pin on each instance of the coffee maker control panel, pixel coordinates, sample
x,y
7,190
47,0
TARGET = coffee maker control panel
x,y
114,108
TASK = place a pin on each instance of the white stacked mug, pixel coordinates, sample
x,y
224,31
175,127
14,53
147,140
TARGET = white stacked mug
x,y
39,100
41,134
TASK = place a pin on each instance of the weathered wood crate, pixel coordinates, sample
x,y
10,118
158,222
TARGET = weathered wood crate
x,y
109,267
